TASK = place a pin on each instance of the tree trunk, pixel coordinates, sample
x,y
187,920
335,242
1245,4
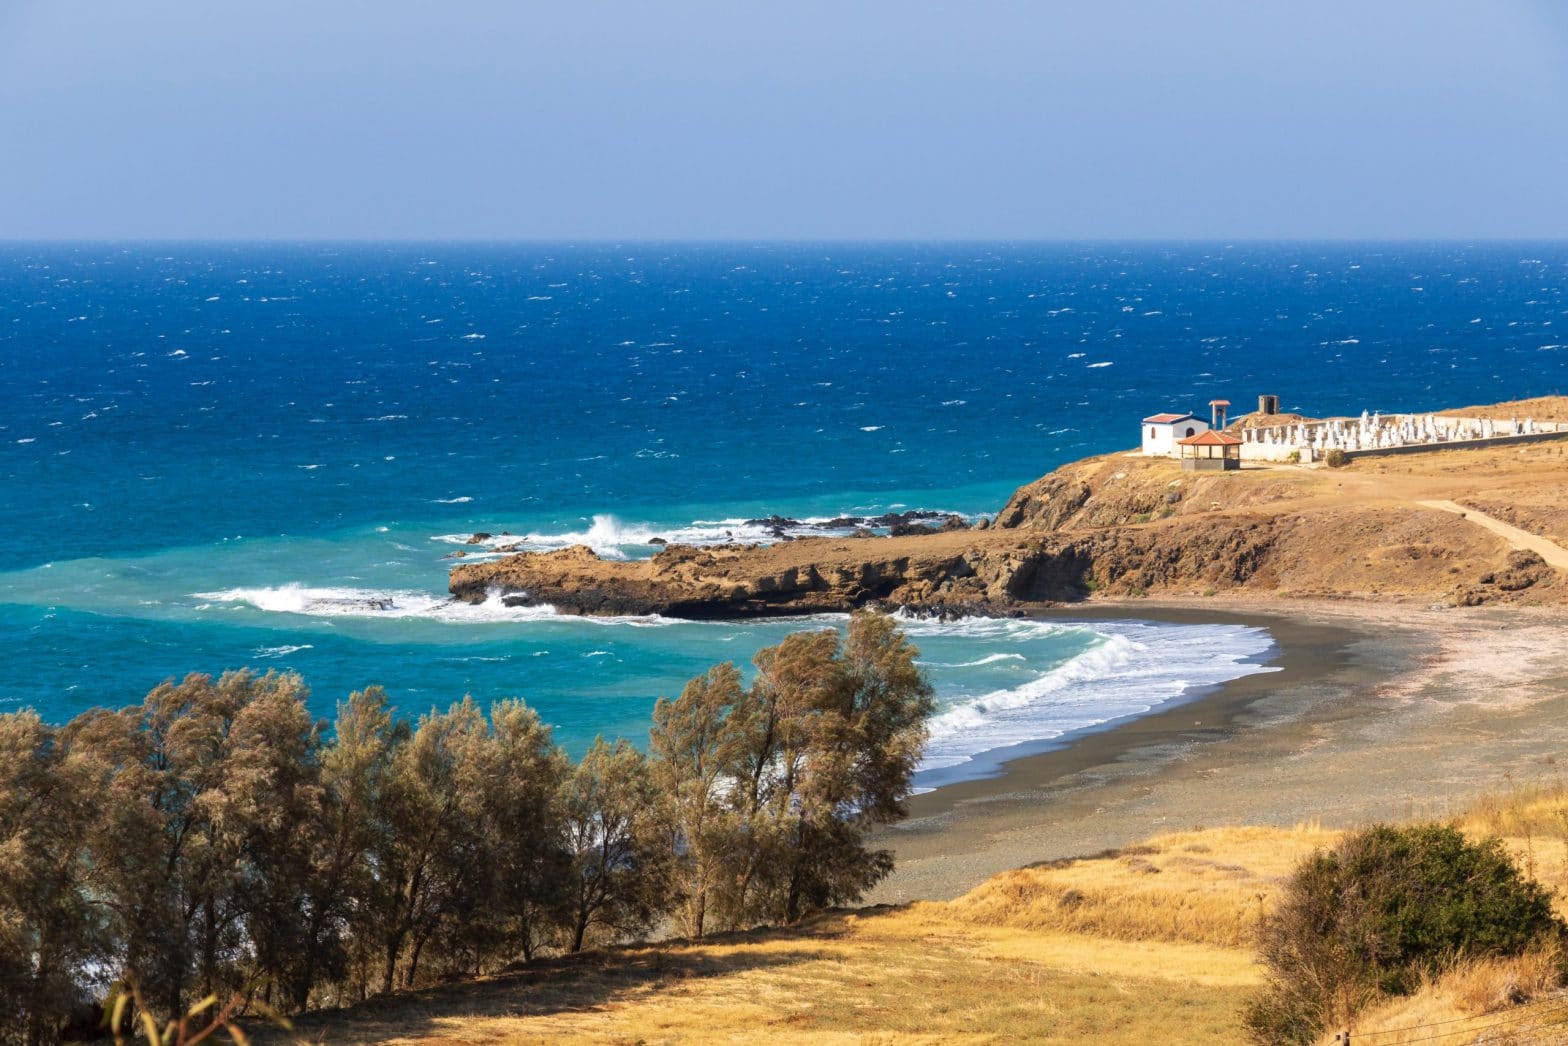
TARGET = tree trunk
x,y
389,973
580,927
413,960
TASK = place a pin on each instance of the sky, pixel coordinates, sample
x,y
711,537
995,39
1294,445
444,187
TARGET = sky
x,y
699,120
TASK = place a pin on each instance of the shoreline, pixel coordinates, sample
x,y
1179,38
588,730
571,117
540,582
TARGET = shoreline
x,y
1362,721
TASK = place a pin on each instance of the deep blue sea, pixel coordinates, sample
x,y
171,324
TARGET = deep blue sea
x,y
215,456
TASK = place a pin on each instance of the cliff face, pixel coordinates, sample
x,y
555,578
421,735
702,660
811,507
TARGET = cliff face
x,y
1115,526
809,575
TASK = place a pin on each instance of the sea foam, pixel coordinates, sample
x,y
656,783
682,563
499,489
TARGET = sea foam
x,y
1131,668
307,601
614,538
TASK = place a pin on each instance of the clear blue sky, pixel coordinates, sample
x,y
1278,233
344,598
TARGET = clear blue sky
x,y
783,120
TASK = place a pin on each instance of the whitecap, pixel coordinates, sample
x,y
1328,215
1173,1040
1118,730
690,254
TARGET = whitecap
x,y
989,659
307,601
280,651
612,538
1131,668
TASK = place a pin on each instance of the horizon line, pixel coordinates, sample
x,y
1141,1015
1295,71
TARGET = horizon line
x,y
572,241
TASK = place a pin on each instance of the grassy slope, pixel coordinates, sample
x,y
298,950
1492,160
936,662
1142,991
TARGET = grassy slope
x,y
1148,944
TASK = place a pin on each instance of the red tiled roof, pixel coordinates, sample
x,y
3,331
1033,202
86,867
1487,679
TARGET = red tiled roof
x,y
1219,403
1210,439
1167,419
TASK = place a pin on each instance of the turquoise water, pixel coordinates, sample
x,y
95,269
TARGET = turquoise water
x,y
214,456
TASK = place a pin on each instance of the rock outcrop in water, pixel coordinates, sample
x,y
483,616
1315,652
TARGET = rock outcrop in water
x,y
1118,525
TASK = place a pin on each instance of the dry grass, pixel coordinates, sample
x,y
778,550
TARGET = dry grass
x,y
1149,944
1206,887
1489,1000
1145,945
892,976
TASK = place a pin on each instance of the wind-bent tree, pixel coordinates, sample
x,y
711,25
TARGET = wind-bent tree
x,y
774,788
48,931
351,825
508,782
617,882
695,761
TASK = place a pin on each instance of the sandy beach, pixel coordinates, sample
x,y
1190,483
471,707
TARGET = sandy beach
x,y
1377,711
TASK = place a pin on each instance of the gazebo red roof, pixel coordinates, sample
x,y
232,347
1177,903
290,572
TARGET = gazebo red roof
x,y
1211,438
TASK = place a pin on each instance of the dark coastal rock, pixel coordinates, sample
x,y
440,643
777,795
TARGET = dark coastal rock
x,y
904,530
479,538
657,541
774,523
893,519
841,523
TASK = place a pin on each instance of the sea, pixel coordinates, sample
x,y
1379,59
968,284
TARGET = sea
x,y
216,456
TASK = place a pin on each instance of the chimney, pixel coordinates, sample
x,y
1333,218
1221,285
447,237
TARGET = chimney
x,y
1268,404
1217,413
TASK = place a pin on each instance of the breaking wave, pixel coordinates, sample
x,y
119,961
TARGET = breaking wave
x,y
614,539
370,603
1132,668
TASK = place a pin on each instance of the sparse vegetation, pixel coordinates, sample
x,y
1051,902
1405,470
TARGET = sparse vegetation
x,y
1336,458
1154,942
216,842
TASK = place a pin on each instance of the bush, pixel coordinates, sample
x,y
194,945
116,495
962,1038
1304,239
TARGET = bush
x,y
1384,909
1336,459
1294,457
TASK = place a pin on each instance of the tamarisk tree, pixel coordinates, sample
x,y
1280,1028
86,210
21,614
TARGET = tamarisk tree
x,y
773,789
215,840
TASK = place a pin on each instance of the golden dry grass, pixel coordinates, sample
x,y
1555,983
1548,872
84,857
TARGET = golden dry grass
x,y
1149,944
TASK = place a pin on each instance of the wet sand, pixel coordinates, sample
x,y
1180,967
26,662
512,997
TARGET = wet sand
x,y
1378,711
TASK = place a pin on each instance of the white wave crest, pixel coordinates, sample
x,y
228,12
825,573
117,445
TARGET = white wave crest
x,y
612,538
1132,668
281,651
989,659
306,601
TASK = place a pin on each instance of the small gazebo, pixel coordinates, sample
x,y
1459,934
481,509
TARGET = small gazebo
x,y
1211,451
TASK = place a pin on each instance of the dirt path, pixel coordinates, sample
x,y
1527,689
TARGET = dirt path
x,y
1550,551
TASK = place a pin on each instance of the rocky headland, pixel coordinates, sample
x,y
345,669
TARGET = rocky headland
x,y
1121,525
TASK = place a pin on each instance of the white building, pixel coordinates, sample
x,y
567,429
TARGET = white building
x,y
1161,431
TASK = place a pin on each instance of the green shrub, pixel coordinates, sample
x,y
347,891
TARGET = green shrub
x,y
1383,909
1294,457
1336,459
